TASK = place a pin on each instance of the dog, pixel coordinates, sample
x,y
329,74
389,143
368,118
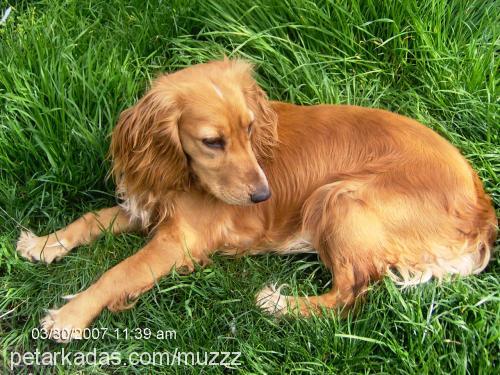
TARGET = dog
x,y
204,162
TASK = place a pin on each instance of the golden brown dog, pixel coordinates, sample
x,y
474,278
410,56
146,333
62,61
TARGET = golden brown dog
x,y
205,162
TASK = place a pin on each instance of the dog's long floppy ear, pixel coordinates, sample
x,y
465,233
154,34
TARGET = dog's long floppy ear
x,y
264,134
145,148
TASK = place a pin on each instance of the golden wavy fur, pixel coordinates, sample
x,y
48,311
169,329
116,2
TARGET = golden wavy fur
x,y
149,162
205,162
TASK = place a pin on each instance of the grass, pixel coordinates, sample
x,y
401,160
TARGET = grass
x,y
67,69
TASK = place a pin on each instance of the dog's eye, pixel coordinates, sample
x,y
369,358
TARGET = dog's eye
x,y
214,142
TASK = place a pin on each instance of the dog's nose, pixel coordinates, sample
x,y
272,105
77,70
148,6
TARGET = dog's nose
x,y
260,195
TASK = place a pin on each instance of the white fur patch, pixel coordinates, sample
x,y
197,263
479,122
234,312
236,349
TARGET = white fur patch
x,y
463,264
56,331
297,245
271,300
26,243
136,211
136,208
69,297
36,248
217,90
409,277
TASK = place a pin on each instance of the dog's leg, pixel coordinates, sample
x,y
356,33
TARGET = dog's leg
x,y
348,237
173,245
347,286
80,232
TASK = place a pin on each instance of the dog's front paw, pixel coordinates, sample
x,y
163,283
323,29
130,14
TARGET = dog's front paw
x,y
45,249
65,324
272,301
59,329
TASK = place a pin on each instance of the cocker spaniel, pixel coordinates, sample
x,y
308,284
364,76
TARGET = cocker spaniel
x,y
204,162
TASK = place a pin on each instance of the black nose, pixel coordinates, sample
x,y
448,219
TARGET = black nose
x,y
260,195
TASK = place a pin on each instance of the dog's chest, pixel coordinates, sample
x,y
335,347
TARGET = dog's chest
x,y
136,211
140,209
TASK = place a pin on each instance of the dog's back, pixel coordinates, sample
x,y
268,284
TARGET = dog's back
x,y
393,193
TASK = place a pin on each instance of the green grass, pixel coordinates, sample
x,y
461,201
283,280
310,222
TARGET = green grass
x,y
67,69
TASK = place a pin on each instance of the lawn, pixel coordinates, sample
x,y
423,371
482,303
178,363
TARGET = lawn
x,y
67,70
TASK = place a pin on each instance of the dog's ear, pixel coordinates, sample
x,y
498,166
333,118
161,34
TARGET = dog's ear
x,y
146,151
264,134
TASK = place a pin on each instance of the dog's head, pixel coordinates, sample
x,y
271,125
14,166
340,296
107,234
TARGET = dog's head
x,y
209,124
